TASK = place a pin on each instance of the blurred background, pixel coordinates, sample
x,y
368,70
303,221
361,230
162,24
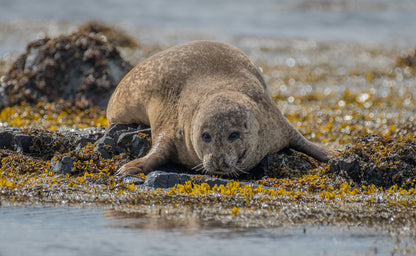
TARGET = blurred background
x,y
364,21
338,69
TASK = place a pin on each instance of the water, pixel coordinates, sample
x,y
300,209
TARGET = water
x,y
69,231
374,21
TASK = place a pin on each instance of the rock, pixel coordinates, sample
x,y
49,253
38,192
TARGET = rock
x,y
124,138
132,144
346,167
115,36
63,166
80,69
160,179
381,161
45,144
134,180
105,146
23,143
6,140
288,163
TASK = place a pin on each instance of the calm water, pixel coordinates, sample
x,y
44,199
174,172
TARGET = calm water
x,y
68,231
374,21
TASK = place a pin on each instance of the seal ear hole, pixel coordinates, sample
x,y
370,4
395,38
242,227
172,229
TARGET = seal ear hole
x,y
245,125
234,136
206,137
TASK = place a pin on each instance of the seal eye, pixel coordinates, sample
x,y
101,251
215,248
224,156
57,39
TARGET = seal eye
x,y
233,136
206,137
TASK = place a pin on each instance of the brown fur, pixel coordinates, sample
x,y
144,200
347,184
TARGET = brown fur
x,y
204,87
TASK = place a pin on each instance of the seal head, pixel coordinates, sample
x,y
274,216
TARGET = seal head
x,y
225,134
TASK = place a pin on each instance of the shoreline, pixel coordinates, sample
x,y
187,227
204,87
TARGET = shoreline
x,y
333,93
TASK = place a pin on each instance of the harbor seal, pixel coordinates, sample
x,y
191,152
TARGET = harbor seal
x,y
208,108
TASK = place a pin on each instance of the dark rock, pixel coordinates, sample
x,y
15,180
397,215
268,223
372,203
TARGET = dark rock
x,y
287,164
23,142
132,144
105,146
346,167
6,140
115,36
160,179
115,130
45,144
78,68
82,142
382,161
216,181
124,138
63,166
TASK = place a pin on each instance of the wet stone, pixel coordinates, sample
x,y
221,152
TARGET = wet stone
x,y
132,144
105,147
45,144
381,161
287,164
63,166
6,138
134,180
22,143
161,179
124,138
346,167
80,69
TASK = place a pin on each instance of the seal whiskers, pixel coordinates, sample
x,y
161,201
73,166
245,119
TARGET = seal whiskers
x,y
197,166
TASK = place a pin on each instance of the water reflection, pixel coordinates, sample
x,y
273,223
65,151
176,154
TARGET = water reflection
x,y
183,223
70,231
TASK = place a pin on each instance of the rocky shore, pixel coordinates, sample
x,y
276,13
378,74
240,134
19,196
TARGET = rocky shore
x,y
56,147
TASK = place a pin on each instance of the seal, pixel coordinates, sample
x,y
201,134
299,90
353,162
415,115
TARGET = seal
x,y
208,108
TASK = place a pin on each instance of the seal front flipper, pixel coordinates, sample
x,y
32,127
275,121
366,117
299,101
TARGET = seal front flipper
x,y
161,151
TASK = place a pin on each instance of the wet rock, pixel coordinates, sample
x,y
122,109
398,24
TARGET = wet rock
x,y
160,179
124,138
382,161
115,36
63,166
22,143
134,180
288,163
6,138
45,144
132,144
78,68
346,167
105,146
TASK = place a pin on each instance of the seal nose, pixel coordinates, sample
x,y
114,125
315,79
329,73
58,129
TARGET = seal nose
x,y
218,162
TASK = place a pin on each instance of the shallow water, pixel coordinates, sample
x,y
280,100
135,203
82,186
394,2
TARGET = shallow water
x,y
70,231
365,21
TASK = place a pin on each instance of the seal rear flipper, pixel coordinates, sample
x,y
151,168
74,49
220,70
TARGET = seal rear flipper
x,y
301,144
